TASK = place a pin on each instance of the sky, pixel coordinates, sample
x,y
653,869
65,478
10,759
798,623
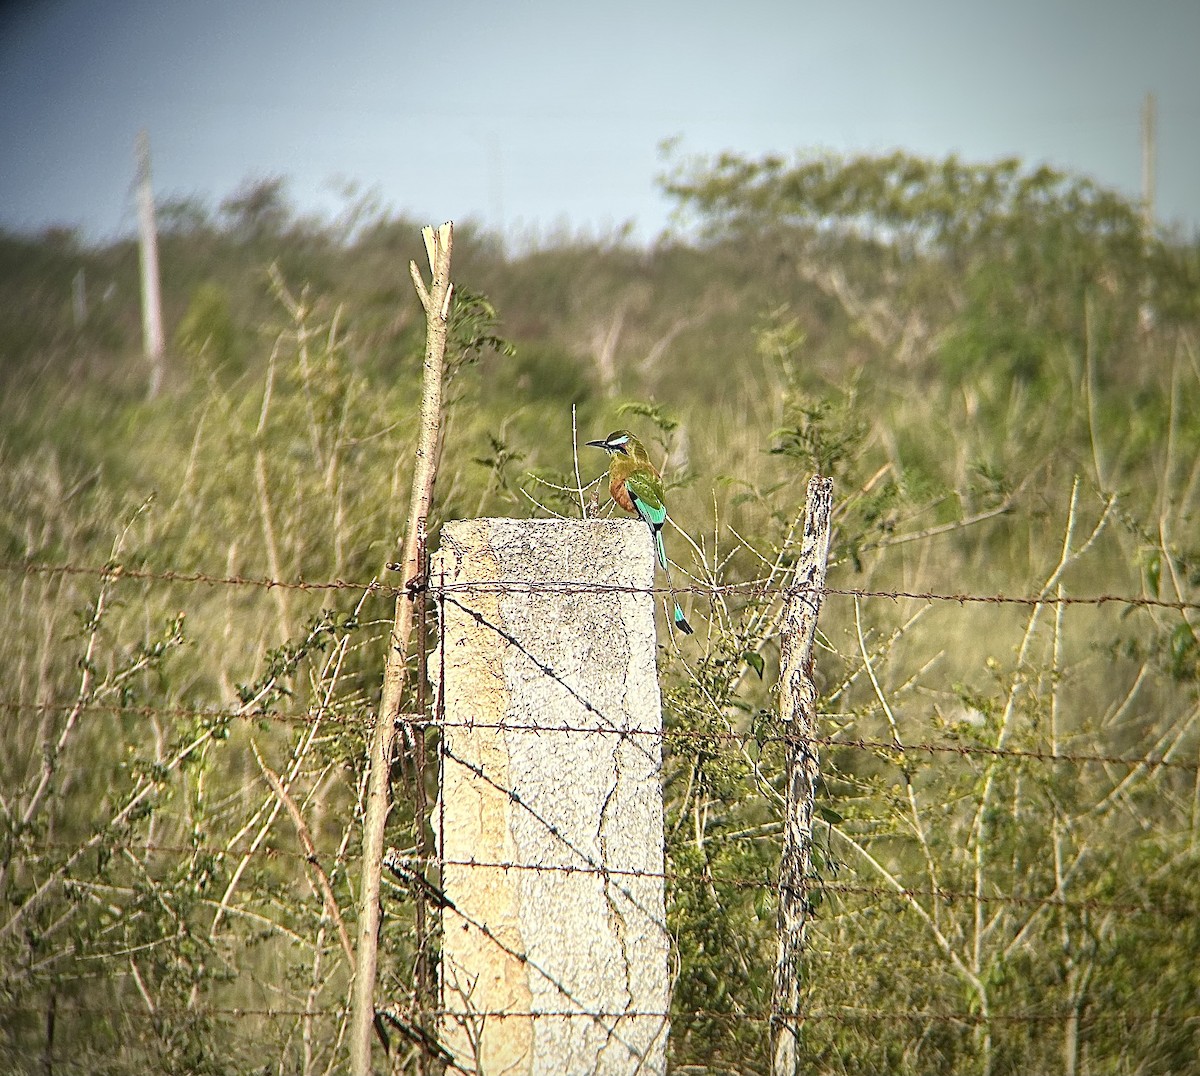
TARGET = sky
x,y
536,116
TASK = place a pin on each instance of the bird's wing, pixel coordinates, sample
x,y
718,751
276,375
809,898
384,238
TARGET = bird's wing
x,y
647,494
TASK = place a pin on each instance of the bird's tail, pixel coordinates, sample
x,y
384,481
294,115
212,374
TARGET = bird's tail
x,y
660,548
680,620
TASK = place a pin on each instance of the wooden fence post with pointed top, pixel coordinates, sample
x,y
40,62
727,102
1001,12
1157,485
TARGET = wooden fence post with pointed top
x,y
152,323
436,302
798,715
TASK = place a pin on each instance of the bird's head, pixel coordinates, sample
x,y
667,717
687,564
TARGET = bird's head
x,y
622,441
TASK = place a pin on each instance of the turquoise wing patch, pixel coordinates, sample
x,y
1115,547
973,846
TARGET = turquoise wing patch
x,y
647,495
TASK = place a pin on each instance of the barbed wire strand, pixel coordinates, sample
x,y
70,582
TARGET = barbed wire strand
x,y
734,881
115,572
846,1014
667,736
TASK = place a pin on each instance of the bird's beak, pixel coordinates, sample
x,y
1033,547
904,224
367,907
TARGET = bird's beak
x,y
598,444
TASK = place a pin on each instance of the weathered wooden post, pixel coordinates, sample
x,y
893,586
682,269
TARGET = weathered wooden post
x,y
798,715
435,300
554,952
152,328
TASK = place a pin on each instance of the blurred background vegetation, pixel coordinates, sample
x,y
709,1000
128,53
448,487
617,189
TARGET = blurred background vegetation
x,y
998,365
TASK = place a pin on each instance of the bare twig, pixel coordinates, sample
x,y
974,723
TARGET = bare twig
x,y
310,852
575,458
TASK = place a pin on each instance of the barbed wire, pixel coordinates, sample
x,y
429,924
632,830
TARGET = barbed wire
x,y
362,712
882,746
666,736
116,572
844,1014
820,885
763,587
944,894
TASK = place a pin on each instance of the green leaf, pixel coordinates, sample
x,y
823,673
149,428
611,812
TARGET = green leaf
x,y
1154,571
754,659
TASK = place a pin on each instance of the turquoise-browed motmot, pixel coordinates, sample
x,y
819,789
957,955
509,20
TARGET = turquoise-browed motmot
x,y
636,486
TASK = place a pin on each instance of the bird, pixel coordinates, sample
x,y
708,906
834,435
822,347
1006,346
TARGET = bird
x,y
637,487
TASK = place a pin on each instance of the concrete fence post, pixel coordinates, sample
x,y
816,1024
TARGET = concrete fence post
x,y
554,953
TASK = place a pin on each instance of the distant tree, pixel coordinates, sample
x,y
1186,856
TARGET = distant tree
x,y
997,257
913,202
60,238
183,215
258,209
